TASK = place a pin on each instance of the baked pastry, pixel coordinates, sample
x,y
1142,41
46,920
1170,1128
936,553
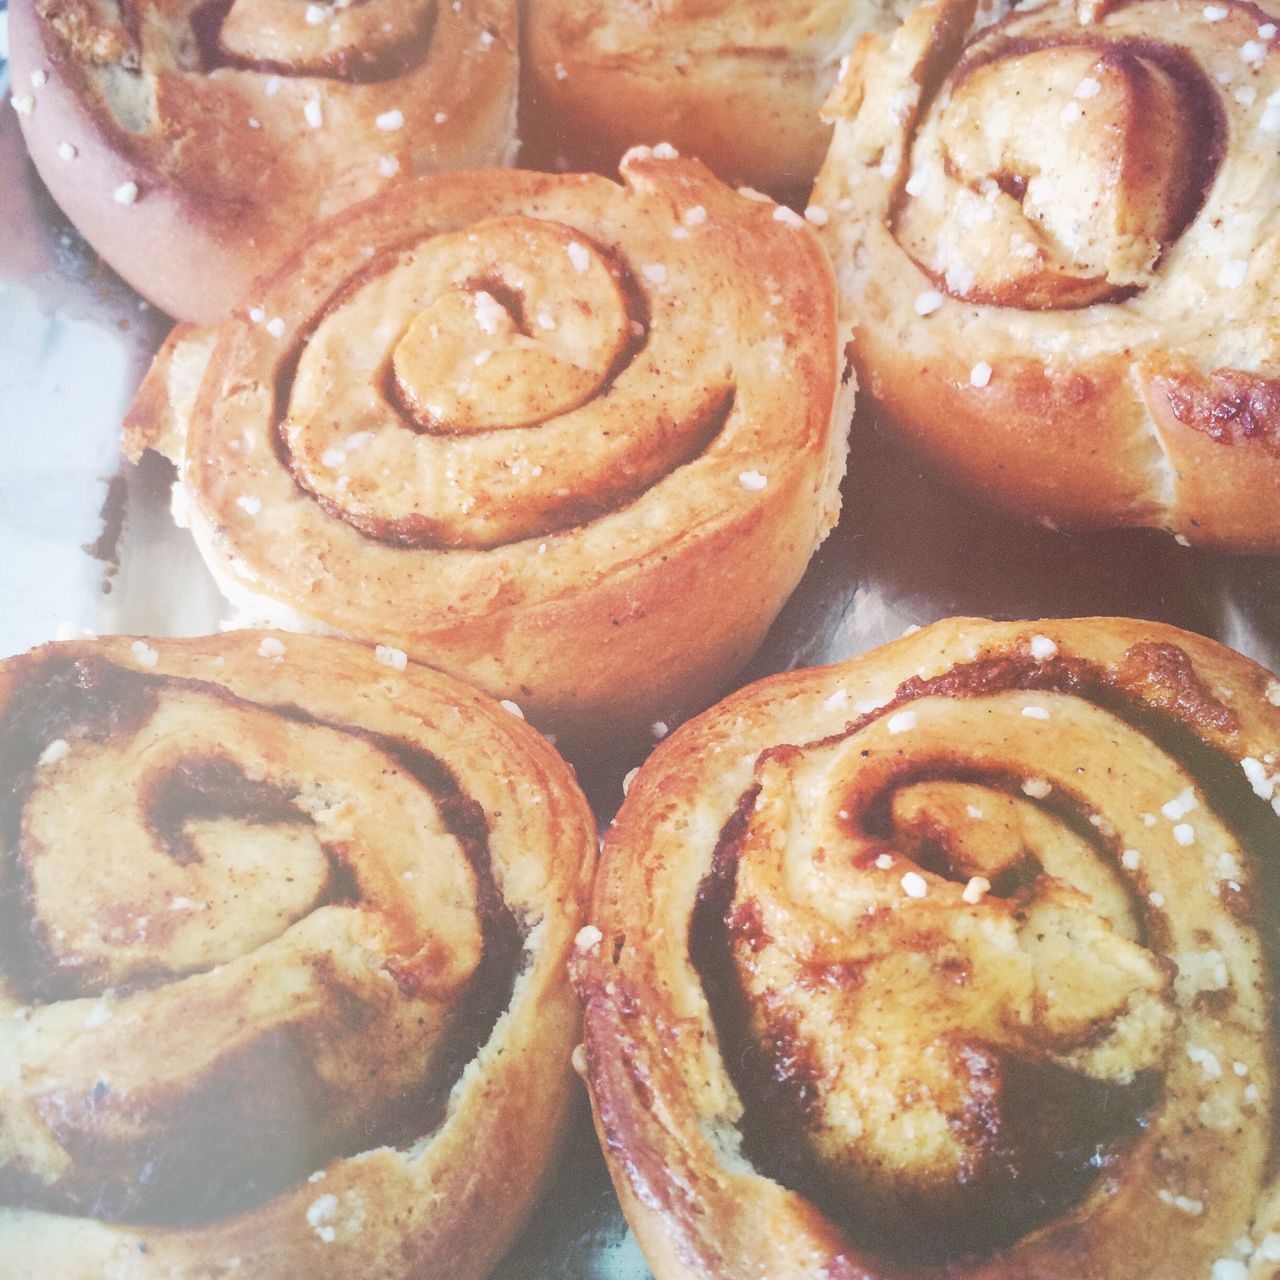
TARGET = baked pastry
x,y
952,959
572,440
193,143
1055,243
735,82
284,952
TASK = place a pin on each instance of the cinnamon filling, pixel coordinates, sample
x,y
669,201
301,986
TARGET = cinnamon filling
x,y
479,359
1042,227
258,1121
1035,1136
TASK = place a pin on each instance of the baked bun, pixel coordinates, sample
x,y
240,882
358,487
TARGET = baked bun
x,y
953,959
284,945
572,440
193,143
1058,256
738,83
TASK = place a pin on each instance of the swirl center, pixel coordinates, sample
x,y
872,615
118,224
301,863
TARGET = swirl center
x,y
513,347
1049,174
275,909
487,386
958,1012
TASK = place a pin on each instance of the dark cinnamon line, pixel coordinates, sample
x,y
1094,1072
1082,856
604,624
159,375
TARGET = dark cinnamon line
x,y
773,1081
417,532
378,265
1168,674
1028,1107
286,372
423,532
94,698
208,787
511,301
36,715
131,21
775,1096
934,850
1172,708
350,65
204,786
1204,156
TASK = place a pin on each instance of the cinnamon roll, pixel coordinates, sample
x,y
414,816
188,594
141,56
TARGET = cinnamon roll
x,y
282,964
193,141
1056,247
572,440
953,959
737,83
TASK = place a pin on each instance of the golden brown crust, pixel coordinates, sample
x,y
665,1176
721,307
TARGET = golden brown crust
x,y
950,959
570,439
1051,236
193,154
284,962
737,84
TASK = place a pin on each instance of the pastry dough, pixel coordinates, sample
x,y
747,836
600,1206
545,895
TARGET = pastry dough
x,y
950,959
284,962
738,83
572,440
1057,245
193,143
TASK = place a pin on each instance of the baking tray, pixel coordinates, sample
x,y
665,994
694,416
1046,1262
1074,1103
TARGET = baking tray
x,y
86,543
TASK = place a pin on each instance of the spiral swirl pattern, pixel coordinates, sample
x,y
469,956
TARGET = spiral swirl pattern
x,y
239,123
1055,238
497,425
513,423
955,961
268,948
